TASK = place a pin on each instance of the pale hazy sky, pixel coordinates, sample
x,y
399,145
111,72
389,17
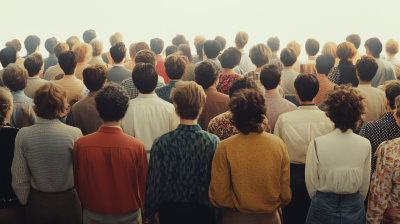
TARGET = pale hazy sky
x,y
147,19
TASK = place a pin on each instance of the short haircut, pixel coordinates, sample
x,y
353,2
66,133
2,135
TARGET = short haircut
x,y
136,47
68,61
296,46
175,66
212,48
199,48
115,38
241,39
260,54
325,63
8,55
84,51
6,101
146,56
132,51
15,77
97,47
33,64
197,39
307,86
270,76
112,102
170,50
72,41
288,56
89,35
59,48
374,46
51,101
230,58
156,45
189,98
249,111
392,91
185,48
273,43
94,77
50,43
145,77
330,48
397,104
392,46
221,40
346,51
206,73
179,39
367,68
118,52
242,83
31,43
345,107
15,44
312,46
355,39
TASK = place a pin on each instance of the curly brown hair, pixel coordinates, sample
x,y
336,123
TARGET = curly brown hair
x,y
51,101
249,111
146,56
15,44
175,66
345,107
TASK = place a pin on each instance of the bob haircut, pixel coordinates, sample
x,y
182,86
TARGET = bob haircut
x,y
175,66
185,48
222,41
355,39
51,101
241,39
346,51
8,55
197,39
374,46
230,58
330,48
59,48
97,47
15,77
146,56
189,98
145,77
72,41
33,63
260,54
84,51
392,47
296,46
31,43
15,44
179,39
49,44
156,45
89,35
115,38
312,46
288,56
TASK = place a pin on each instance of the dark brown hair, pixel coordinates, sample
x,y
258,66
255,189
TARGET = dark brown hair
x,y
366,67
146,56
94,77
185,48
175,66
51,101
59,48
6,101
230,58
33,63
312,46
189,98
260,54
241,39
179,39
15,44
15,77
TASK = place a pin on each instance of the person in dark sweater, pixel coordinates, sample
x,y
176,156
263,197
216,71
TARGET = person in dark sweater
x,y
345,71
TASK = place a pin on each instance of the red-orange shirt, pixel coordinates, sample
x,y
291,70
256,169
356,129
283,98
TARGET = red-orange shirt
x,y
161,68
110,171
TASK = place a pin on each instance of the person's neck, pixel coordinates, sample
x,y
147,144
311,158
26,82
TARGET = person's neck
x,y
176,80
364,82
259,68
287,67
120,63
306,102
36,76
321,74
228,71
112,123
188,122
239,48
81,63
275,52
52,54
390,55
272,90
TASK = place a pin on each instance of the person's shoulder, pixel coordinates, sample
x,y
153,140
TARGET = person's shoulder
x,y
390,147
72,130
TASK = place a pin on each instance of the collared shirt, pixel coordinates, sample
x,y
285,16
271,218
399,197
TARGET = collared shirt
x,y
386,72
344,73
52,72
375,101
222,126
161,68
118,73
110,171
324,86
378,131
309,66
79,71
148,117
73,86
133,92
298,128
216,103
245,63
23,114
277,106
180,168
395,63
275,60
225,82
288,77
164,92
33,84
97,60
49,61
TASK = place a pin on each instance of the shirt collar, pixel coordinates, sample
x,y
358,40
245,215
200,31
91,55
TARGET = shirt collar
x,y
34,78
360,86
153,95
312,58
118,65
391,57
287,69
110,129
96,57
338,131
189,127
111,126
272,95
68,77
48,121
172,83
308,107
19,92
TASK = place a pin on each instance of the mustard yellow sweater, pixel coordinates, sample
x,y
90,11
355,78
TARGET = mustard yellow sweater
x,y
251,174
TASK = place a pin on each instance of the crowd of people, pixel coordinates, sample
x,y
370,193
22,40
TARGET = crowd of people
x,y
155,134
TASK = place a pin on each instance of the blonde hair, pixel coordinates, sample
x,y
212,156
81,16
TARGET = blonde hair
x,y
392,47
97,47
72,41
197,39
296,46
330,48
115,38
189,98
6,102
84,51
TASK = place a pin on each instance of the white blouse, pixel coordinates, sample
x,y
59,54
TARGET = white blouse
x,y
341,164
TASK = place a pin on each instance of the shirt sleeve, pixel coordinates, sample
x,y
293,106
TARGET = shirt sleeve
x,y
75,160
286,192
311,174
334,76
20,172
278,128
366,174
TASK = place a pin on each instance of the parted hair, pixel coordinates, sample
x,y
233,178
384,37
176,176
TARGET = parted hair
x,y
345,106
270,76
33,64
392,91
189,98
296,46
156,45
115,38
367,68
330,48
6,101
118,52
312,46
49,44
15,77
94,77
242,83
112,102
230,58
179,39
346,51
355,39
206,73
8,55
31,43
175,66
260,54
83,50
273,43
392,46
249,111
51,101
145,77
185,48
59,48
72,41
241,39
146,56
15,44
288,56
97,47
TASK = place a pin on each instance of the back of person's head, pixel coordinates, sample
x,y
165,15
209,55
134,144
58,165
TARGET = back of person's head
x,y
392,46
15,44
270,76
212,48
68,61
325,63
112,102
89,35
199,48
157,45
329,48
15,77
307,86
84,51
206,74
118,52
241,39
396,112
145,77
296,46
146,56
222,41
366,68
230,58
197,39
94,77
392,91
72,41
355,39
33,64
274,43
179,39
346,51
288,56
312,47
8,55
115,38
260,54
136,47
31,42
175,66
374,45
170,50
242,83
97,47
189,98
50,43
59,48
185,48
6,103
51,101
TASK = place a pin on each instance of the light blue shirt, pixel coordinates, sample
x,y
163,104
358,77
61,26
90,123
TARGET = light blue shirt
x,y
23,114
386,72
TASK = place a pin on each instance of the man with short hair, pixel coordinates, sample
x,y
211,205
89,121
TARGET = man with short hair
x,y
148,116
89,35
324,65
392,48
32,44
222,42
270,78
297,129
157,46
110,167
356,40
312,49
118,72
241,40
8,55
288,58
84,114
207,76
34,65
386,70
53,71
274,44
52,59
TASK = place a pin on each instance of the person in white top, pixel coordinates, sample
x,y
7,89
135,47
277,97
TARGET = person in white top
x,y
297,48
356,40
392,48
241,40
34,64
288,57
53,71
84,52
97,51
338,165
297,129
148,116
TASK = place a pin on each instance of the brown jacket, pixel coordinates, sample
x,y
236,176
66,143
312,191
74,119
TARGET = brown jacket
x,y
216,104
